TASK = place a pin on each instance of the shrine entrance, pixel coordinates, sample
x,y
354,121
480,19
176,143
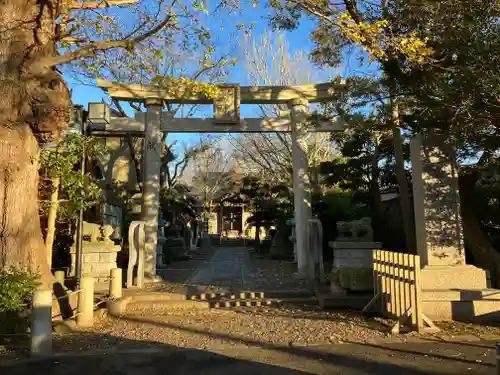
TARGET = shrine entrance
x,y
232,220
226,119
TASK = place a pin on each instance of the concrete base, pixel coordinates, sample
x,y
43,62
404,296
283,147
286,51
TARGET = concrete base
x,y
151,279
453,277
459,293
475,306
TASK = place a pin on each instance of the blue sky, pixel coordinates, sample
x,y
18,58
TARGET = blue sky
x,y
225,34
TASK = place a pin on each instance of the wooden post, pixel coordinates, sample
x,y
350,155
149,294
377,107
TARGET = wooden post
x,y
413,299
383,281
115,283
41,323
393,283
397,279
418,296
407,281
376,286
85,317
60,276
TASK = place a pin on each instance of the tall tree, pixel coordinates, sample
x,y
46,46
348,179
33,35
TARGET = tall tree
x,y
364,24
36,37
269,61
212,175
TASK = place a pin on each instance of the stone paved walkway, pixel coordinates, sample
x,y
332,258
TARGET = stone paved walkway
x,y
230,269
226,270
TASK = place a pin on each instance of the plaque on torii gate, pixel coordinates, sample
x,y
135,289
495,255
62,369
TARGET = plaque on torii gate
x,y
227,105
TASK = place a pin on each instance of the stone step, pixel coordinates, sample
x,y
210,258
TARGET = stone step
x,y
242,303
289,294
168,304
475,311
460,295
230,296
140,296
328,300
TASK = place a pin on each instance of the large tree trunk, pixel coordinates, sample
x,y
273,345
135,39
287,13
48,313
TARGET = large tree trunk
x,y
34,107
485,255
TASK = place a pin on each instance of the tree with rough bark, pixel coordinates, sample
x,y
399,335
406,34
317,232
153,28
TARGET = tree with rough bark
x,y
269,60
37,38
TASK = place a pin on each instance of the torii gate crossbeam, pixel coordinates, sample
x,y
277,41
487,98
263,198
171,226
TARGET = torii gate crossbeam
x,y
226,109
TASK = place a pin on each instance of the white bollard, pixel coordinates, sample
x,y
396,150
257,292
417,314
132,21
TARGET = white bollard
x,y
60,276
41,323
115,283
85,317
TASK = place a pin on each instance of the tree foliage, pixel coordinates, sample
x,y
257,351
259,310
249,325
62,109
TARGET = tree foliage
x,y
63,161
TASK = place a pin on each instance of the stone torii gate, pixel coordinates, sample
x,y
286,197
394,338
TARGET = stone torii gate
x,y
226,120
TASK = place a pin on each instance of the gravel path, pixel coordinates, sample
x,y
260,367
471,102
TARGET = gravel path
x,y
214,328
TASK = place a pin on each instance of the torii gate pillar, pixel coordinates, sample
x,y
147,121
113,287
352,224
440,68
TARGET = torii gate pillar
x,y
151,184
301,183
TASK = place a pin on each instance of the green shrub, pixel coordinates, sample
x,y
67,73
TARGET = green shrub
x,y
16,288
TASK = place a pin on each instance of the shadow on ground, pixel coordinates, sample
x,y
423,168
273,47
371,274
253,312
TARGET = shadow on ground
x,y
94,354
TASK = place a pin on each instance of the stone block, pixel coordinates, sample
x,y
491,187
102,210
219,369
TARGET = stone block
x,y
476,311
87,268
355,279
453,277
355,245
91,258
353,254
107,257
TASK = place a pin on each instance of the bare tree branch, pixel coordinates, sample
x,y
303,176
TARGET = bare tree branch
x,y
100,4
269,156
101,45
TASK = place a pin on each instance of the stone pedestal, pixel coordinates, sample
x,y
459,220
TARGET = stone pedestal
x,y
98,260
99,252
448,283
352,266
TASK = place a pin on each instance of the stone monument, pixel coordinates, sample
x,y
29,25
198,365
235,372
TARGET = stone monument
x,y
452,289
99,251
352,257
174,247
281,246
